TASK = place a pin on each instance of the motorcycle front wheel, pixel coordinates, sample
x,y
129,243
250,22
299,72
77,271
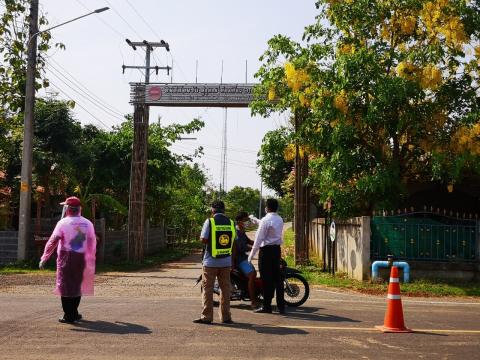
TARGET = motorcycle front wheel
x,y
296,290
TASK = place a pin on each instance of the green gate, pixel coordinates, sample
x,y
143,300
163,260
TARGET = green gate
x,y
424,237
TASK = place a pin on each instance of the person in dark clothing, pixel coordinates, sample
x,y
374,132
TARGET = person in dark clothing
x,y
268,239
240,259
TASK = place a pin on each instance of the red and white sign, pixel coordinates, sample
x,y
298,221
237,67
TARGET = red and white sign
x,y
154,93
204,94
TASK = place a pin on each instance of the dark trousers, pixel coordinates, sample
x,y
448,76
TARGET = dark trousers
x,y
70,307
71,273
269,266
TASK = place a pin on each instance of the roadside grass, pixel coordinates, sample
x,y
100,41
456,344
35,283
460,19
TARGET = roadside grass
x,y
163,256
421,287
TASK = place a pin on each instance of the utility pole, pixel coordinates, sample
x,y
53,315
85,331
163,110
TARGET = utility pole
x,y
223,170
24,212
260,200
138,170
301,200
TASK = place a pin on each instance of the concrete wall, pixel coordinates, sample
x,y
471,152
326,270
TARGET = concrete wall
x,y
8,247
111,246
352,245
115,246
353,253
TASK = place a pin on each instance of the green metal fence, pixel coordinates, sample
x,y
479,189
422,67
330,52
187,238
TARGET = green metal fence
x,y
423,238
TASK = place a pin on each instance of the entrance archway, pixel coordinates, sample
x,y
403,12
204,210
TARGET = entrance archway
x,y
231,95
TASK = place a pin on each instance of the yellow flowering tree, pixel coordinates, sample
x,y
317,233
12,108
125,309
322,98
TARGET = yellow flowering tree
x,y
388,91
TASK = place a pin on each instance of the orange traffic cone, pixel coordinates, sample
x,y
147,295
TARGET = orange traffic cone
x,y
393,321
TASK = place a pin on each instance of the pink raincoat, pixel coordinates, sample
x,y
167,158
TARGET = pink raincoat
x,y
74,238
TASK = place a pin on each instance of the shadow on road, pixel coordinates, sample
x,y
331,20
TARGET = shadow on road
x,y
142,276
118,327
307,313
311,314
266,329
428,333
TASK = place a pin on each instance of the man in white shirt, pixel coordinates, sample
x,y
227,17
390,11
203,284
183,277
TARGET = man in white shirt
x,y
268,239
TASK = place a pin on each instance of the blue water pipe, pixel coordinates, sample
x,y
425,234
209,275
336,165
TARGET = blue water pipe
x,y
385,264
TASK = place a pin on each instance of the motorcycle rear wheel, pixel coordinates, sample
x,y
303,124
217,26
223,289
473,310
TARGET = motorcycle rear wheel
x,y
297,290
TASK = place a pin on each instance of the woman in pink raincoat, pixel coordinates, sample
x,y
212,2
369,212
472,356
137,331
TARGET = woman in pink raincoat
x,y
74,238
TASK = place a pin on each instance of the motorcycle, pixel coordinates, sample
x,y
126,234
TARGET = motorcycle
x,y
296,286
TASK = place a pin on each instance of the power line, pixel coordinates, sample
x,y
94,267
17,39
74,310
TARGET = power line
x,y
157,61
179,67
77,103
230,161
142,18
86,97
84,89
125,21
103,21
240,150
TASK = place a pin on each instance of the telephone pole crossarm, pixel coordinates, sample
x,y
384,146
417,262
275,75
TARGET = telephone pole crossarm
x,y
156,68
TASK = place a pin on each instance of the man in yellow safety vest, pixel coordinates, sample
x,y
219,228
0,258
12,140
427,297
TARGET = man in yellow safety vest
x,y
218,234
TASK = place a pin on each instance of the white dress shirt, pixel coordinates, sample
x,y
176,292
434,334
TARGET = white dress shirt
x,y
270,232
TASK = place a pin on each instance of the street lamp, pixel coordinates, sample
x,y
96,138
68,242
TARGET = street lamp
x,y
26,173
69,21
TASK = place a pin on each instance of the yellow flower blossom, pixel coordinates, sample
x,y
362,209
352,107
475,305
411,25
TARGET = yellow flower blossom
x,y
289,152
441,20
406,70
334,123
271,94
431,77
304,101
477,54
454,32
340,102
347,49
407,24
466,139
296,78
385,32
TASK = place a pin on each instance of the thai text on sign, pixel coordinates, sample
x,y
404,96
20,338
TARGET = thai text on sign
x,y
211,94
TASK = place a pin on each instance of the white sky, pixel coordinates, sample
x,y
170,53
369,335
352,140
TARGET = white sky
x,y
208,31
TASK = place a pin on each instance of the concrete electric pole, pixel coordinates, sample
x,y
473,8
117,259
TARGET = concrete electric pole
x,y
24,214
138,170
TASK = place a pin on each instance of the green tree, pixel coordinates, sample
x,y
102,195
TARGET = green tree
x,y
14,38
285,208
274,166
56,147
386,93
185,202
106,159
13,62
241,199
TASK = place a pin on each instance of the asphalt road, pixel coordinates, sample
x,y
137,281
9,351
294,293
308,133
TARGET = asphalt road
x,y
148,315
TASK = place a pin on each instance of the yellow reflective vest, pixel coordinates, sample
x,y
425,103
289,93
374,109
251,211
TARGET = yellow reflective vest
x,y
221,238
